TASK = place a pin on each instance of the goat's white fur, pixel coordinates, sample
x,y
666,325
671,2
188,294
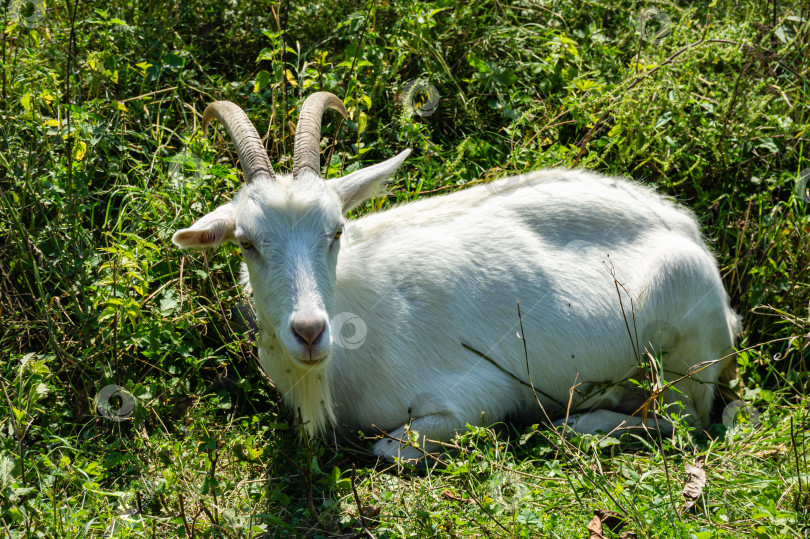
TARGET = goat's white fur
x,y
429,275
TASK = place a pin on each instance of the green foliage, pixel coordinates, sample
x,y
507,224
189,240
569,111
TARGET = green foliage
x,y
102,158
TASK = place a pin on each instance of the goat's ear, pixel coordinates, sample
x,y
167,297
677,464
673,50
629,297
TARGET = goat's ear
x,y
357,187
210,231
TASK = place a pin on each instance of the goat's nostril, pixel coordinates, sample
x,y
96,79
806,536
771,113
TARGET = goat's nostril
x,y
308,330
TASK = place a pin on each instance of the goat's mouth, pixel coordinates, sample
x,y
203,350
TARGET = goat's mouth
x,y
310,362
311,358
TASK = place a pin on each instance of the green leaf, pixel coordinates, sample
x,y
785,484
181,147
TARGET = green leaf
x,y
7,466
266,54
19,494
529,518
607,441
18,414
173,61
168,304
768,143
262,81
504,77
478,64
663,120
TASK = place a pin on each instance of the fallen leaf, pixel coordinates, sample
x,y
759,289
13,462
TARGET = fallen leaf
x,y
695,482
371,511
605,519
775,453
612,521
450,495
595,527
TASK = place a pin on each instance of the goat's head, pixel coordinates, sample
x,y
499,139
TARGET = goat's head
x,y
288,227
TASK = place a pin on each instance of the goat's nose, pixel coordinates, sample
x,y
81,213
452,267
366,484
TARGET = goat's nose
x,y
308,330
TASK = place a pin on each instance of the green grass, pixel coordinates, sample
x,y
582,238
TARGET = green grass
x,y
102,159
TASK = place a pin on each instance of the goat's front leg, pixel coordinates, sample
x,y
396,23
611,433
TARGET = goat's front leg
x,y
445,409
412,441
434,418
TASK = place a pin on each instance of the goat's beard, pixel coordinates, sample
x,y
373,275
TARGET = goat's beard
x,y
305,389
310,397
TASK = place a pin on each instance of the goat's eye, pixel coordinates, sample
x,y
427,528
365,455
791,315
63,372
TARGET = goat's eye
x,y
246,245
338,234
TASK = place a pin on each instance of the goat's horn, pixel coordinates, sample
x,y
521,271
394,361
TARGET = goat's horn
x,y
307,153
252,154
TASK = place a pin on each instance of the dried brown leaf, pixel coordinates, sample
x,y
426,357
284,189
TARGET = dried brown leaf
x,y
605,519
612,521
450,495
696,480
371,511
595,527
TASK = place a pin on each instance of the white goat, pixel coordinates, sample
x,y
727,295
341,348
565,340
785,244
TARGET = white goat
x,y
431,290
